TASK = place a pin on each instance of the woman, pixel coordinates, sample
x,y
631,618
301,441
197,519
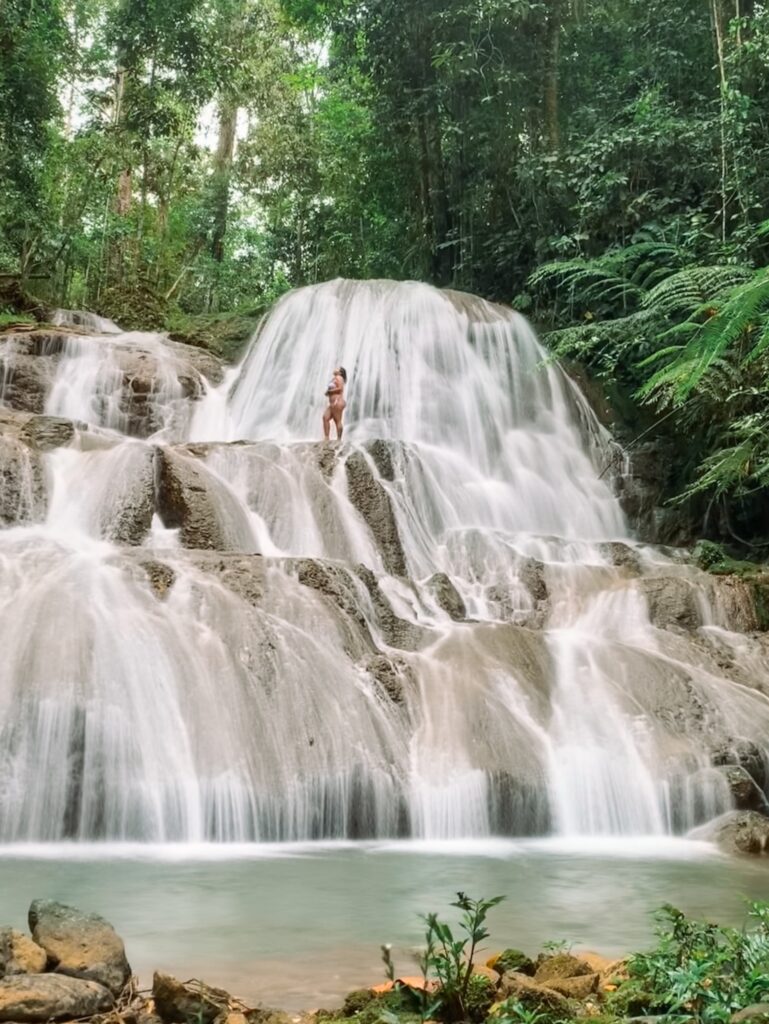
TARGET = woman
x,y
336,403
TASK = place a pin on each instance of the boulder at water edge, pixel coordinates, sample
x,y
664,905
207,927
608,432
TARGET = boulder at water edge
x,y
78,944
532,995
740,832
178,1002
43,997
19,954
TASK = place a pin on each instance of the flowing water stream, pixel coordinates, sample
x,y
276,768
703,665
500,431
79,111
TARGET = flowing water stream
x,y
217,628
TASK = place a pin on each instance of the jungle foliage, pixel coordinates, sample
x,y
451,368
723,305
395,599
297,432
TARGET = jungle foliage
x,y
600,163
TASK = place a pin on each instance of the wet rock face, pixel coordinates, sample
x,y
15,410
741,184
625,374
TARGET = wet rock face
x,y
643,491
132,520
43,997
746,794
745,755
79,945
23,439
184,502
392,675
29,362
672,602
742,832
372,502
447,596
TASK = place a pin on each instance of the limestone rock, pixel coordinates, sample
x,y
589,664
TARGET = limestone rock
x,y
397,632
337,585
79,944
185,502
447,596
745,754
746,794
45,433
672,602
741,832
190,1002
623,556
513,960
391,674
44,997
756,1013
533,995
161,576
372,502
22,483
575,988
562,965
19,954
130,519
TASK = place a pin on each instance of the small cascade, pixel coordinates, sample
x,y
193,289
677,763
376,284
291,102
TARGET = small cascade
x,y
217,627
80,318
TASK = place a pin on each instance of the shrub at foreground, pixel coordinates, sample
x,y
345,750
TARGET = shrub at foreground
x,y
697,972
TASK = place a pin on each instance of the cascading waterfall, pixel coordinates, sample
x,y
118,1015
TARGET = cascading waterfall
x,y
217,627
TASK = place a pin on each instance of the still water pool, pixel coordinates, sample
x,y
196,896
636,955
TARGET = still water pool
x,y
297,926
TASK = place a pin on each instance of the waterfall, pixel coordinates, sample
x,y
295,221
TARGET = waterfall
x,y
217,627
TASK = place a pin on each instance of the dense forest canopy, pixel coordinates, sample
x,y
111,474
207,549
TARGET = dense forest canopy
x,y
599,163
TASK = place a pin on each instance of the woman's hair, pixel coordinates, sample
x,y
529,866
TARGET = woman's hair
x,y
343,374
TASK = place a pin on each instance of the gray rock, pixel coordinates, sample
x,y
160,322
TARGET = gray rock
x,y
397,632
80,945
623,556
741,832
447,596
672,602
372,502
44,997
19,954
22,483
533,995
189,1002
392,676
161,576
758,1012
746,794
185,502
130,520
745,754
44,433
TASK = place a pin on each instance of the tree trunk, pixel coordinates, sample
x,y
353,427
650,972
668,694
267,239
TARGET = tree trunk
x,y
552,48
225,149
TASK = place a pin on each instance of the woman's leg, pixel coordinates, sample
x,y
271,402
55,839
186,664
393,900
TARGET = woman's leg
x,y
327,422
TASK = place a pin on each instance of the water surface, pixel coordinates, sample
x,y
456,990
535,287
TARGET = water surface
x,y
298,925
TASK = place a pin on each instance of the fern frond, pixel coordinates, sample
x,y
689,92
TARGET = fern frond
x,y
687,290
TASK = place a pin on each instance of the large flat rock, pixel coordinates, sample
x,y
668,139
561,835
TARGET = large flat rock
x,y
44,997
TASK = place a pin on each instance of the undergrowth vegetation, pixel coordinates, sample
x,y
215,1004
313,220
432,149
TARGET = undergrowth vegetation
x,y
697,972
690,344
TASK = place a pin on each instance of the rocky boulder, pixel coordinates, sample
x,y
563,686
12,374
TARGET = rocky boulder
x,y
533,995
672,602
746,794
372,502
756,1013
740,832
19,954
185,502
562,965
178,1002
43,997
79,944
447,596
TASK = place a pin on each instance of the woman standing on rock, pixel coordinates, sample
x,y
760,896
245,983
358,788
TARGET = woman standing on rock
x,y
336,403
